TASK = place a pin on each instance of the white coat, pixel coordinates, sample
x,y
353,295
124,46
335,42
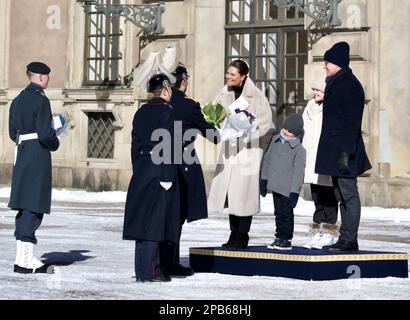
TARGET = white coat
x,y
238,175
312,124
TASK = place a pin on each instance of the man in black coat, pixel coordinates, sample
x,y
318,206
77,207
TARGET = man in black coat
x,y
189,122
341,152
30,127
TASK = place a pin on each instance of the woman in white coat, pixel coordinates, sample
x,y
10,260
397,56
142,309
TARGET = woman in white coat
x,y
238,169
323,229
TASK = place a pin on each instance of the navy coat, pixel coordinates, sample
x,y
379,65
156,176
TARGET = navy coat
x,y
30,112
151,212
193,193
342,126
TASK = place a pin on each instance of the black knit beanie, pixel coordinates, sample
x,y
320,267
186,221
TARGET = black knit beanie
x,y
338,54
294,124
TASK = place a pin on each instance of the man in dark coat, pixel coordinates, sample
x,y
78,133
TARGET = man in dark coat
x,y
152,206
189,122
30,127
341,152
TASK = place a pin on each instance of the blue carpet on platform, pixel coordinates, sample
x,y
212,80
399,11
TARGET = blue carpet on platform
x,y
299,263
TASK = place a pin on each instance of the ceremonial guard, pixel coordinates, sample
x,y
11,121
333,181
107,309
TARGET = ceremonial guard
x,y
189,122
30,127
152,205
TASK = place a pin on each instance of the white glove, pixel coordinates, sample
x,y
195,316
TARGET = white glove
x,y
165,185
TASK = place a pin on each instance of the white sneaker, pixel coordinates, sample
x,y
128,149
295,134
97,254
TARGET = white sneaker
x,y
315,239
325,240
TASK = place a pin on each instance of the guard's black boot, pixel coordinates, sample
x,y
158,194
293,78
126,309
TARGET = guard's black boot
x,y
180,270
342,246
46,268
160,278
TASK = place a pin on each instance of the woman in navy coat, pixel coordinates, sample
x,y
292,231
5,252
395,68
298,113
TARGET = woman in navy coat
x,y
152,205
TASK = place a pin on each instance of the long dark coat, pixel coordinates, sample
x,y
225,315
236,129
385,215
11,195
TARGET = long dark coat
x,y
191,177
30,112
151,212
342,126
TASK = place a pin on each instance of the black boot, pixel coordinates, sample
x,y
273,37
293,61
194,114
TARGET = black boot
x,y
342,246
241,241
180,270
231,240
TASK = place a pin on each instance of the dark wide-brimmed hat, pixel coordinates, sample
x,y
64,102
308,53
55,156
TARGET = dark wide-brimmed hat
x,y
38,67
158,81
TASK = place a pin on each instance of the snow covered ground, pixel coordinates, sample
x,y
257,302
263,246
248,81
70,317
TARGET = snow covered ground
x,y
84,231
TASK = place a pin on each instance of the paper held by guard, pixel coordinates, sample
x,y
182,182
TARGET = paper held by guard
x,y
57,122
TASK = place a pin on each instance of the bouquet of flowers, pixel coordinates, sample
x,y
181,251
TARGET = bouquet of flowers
x,y
240,121
59,123
214,113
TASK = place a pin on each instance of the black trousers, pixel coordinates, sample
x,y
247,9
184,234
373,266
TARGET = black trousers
x,y
147,261
348,196
169,253
27,223
326,205
284,217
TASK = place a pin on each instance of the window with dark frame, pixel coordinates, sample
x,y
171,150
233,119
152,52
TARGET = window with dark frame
x,y
102,50
274,43
100,135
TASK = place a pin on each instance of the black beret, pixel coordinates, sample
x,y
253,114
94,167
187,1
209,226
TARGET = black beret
x,y
38,67
157,81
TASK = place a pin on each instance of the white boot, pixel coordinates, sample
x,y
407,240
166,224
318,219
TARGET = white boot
x,y
28,263
315,234
18,252
329,236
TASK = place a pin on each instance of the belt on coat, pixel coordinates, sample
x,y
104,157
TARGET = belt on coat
x,y
20,139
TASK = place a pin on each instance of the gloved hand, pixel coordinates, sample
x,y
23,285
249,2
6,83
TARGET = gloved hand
x,y
293,199
343,163
263,187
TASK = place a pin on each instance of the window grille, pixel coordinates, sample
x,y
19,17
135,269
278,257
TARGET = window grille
x,y
100,135
102,55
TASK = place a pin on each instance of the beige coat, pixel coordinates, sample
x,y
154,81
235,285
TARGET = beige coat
x,y
312,124
238,175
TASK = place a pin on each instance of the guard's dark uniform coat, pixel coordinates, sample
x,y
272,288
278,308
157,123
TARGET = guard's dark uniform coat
x,y
151,212
193,194
30,112
341,128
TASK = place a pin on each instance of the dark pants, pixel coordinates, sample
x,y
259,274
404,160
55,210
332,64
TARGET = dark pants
x,y
169,253
27,223
147,262
325,203
240,224
348,196
283,217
